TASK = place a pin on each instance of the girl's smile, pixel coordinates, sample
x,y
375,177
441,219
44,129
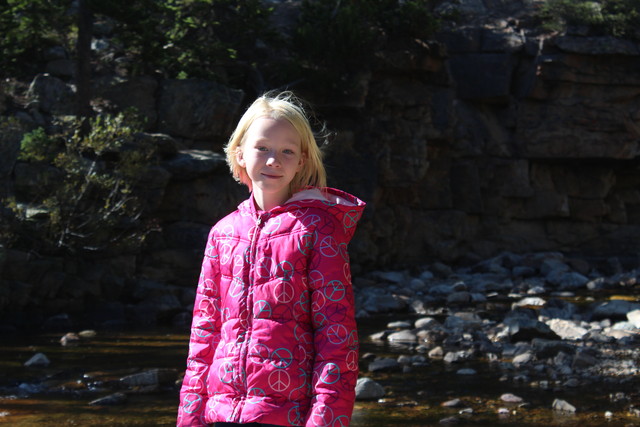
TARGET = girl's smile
x,y
271,155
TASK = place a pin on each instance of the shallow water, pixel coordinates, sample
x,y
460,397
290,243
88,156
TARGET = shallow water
x,y
79,374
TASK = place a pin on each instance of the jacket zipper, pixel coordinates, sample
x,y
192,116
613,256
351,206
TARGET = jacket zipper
x,y
249,310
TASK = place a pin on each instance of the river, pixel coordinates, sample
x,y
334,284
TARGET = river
x,y
59,394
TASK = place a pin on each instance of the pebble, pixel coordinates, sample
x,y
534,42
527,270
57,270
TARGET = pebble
x,y
563,406
511,398
38,360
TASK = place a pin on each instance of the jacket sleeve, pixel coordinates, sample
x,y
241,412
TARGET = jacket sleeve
x,y
205,336
335,370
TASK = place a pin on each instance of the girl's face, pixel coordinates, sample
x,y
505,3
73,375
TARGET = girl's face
x,y
271,154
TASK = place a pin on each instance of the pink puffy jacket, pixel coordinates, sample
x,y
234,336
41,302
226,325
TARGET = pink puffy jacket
x,y
274,337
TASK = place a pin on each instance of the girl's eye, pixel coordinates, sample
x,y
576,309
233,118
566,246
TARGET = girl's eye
x,y
262,148
288,151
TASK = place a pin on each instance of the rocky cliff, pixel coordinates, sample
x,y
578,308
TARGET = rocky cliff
x,y
488,138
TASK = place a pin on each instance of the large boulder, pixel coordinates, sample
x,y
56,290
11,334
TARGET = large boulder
x,y
198,109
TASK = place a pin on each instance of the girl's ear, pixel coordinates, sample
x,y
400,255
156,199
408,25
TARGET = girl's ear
x,y
301,162
240,157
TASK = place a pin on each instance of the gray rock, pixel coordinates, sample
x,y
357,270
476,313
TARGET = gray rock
x,y
190,164
567,329
530,302
436,353
52,95
456,356
368,389
38,360
197,109
511,398
404,336
522,359
614,309
634,318
384,364
400,324
453,403
427,323
584,359
563,406
521,329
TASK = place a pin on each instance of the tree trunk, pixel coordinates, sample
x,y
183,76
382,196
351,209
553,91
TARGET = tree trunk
x,y
83,77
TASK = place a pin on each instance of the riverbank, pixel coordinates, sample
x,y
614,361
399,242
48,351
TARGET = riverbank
x,y
517,340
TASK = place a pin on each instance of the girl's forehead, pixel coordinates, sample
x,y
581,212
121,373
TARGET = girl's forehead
x,y
265,126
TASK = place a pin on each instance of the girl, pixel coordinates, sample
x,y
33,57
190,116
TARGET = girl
x,y
273,339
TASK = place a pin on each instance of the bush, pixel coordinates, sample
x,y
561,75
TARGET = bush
x,y
619,18
28,28
187,38
87,195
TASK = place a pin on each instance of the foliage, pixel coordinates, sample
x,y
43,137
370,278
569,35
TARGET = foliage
x,y
619,18
28,26
336,38
187,38
95,200
178,38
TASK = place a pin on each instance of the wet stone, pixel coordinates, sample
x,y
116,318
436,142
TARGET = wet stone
x,y
38,360
110,400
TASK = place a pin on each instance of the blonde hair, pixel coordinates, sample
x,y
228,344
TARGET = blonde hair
x,y
284,105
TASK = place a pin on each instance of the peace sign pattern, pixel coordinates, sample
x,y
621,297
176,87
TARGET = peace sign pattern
x,y
273,319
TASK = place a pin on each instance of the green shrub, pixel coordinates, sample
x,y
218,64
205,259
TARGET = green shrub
x,y
187,38
96,203
29,27
619,18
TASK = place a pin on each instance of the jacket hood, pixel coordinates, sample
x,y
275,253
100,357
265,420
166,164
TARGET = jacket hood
x,y
345,207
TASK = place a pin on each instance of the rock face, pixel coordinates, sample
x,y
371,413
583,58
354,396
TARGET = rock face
x,y
488,138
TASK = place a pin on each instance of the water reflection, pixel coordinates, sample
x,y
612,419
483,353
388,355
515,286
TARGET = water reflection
x,y
60,393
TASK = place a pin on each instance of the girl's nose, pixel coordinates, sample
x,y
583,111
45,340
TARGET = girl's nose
x,y
273,160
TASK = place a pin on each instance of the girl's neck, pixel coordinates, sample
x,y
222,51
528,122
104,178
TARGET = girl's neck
x,y
266,202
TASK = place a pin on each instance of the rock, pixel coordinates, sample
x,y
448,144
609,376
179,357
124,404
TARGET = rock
x,y
634,318
52,95
368,389
138,92
458,298
453,403
401,324
567,329
511,398
614,309
550,348
191,164
197,109
87,334
404,336
583,359
523,359
70,338
38,360
384,364
522,329
466,371
530,302
110,400
563,406
426,323
436,353
456,356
